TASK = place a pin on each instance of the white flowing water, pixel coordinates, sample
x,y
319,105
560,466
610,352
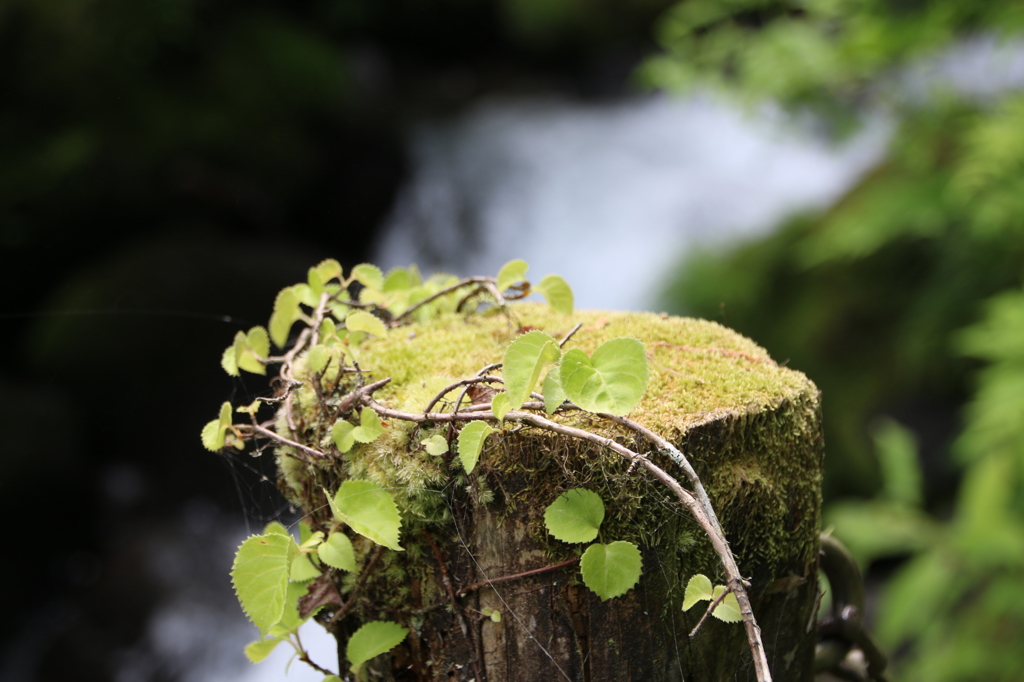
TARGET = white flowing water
x,y
609,196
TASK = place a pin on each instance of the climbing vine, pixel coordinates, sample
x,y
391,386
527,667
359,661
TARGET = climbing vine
x,y
327,407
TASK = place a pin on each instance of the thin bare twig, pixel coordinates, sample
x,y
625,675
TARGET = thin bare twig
x,y
524,574
465,382
304,656
447,290
572,332
285,441
711,607
676,456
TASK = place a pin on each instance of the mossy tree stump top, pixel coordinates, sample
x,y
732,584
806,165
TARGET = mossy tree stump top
x,y
750,427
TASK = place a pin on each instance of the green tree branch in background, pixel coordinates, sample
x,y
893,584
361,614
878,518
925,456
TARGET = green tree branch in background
x,y
889,298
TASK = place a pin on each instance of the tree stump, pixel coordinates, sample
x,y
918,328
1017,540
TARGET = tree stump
x,y
750,428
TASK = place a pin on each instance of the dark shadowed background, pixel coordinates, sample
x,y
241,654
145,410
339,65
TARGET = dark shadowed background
x,y
167,167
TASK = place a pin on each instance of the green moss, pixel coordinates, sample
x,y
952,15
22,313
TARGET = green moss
x,y
749,426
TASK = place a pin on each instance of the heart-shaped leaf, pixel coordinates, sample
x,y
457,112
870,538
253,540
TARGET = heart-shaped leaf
x,y
728,610
372,640
369,510
286,312
436,444
337,552
369,276
214,433
557,292
698,589
316,358
524,360
362,321
611,570
258,651
511,272
575,515
341,434
471,442
612,380
370,427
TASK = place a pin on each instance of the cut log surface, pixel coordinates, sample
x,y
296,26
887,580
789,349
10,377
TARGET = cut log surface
x,y
750,427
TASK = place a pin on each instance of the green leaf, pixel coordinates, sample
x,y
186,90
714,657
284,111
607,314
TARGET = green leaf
x,y
879,528
575,515
728,611
258,341
291,621
373,639
332,678
276,527
338,552
214,433
897,455
493,614
913,596
260,577
362,321
322,273
329,269
554,395
312,540
305,294
303,569
500,405
511,272
286,312
370,511
228,362
327,331
369,276
436,444
400,279
698,589
250,348
611,570
258,651
558,294
471,442
213,436
524,360
370,427
316,358
613,380
341,434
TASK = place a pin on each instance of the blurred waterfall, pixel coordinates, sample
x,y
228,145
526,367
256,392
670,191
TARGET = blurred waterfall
x,y
609,196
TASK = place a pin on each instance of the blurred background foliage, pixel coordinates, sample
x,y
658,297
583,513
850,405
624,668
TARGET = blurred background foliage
x,y
163,163
902,300
165,168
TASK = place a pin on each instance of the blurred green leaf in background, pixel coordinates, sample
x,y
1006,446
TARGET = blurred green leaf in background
x,y
902,300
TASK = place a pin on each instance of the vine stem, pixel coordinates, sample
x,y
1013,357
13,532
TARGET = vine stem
x,y
736,583
537,571
285,441
707,612
485,281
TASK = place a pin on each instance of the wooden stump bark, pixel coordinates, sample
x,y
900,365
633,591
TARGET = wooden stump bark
x,y
752,431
